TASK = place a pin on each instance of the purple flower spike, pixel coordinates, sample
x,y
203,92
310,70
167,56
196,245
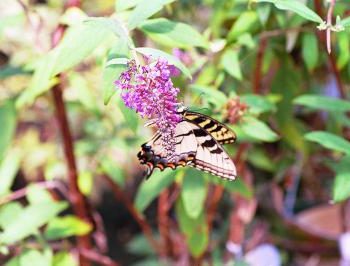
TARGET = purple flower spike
x,y
150,92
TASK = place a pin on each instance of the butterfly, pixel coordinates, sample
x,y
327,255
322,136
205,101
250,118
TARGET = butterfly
x,y
198,144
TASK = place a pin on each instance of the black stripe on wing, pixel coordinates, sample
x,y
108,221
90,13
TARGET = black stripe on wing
x,y
221,133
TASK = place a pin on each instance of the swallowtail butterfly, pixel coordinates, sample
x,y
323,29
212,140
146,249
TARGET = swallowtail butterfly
x,y
199,140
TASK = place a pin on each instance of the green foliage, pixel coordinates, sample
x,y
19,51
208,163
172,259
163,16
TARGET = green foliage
x,y
323,102
173,34
195,230
35,216
329,141
152,187
297,7
66,226
8,125
193,193
263,54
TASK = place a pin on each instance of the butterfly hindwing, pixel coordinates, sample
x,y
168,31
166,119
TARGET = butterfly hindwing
x,y
221,133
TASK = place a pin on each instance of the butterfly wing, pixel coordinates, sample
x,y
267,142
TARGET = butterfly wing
x,y
194,147
221,133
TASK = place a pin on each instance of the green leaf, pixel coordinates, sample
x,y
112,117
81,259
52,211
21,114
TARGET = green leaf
x,y
246,22
195,230
8,169
329,141
64,258
139,245
122,5
237,186
41,81
144,10
69,225
115,172
112,24
257,104
310,50
297,7
152,187
341,187
230,62
345,22
258,129
323,102
78,42
210,94
35,216
85,182
155,54
173,34
341,190
193,193
37,194
8,125
344,49
30,257
112,72
9,212
130,116
81,87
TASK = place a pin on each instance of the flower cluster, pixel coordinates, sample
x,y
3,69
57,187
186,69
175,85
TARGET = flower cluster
x,y
149,91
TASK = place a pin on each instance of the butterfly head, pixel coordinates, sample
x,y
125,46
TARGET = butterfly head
x,y
181,108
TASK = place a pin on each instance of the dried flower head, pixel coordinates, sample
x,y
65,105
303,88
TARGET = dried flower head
x,y
149,91
235,110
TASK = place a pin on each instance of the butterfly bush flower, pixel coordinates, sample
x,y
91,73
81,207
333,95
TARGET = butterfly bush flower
x,y
149,91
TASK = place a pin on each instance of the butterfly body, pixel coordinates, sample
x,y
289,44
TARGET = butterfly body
x,y
198,140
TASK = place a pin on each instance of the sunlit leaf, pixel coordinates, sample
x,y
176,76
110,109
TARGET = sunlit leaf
x,y
8,169
69,225
111,72
37,194
210,94
9,212
297,7
144,10
85,182
230,62
329,141
155,54
341,187
173,34
193,192
30,257
246,22
35,216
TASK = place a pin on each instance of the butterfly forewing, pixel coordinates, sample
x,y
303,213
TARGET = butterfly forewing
x,y
221,133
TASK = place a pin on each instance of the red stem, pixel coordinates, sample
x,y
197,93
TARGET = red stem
x,y
164,222
258,66
76,197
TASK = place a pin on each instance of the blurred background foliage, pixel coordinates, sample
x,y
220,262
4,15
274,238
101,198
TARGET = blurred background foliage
x,y
262,68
